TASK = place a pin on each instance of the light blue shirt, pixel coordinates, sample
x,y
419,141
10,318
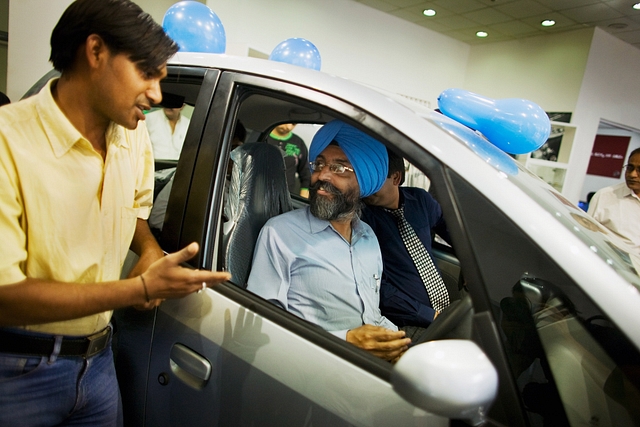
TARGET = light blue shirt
x,y
302,264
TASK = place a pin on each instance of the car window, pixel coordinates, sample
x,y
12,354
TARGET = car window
x,y
179,96
572,365
263,178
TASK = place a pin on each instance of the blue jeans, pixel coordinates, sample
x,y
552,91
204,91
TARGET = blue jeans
x,y
59,391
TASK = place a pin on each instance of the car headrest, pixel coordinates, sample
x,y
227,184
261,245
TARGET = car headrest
x,y
258,191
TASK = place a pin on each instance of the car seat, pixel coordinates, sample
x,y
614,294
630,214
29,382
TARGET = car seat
x,y
257,191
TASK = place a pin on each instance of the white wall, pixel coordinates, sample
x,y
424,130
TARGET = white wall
x,y
157,8
30,26
354,40
547,70
610,90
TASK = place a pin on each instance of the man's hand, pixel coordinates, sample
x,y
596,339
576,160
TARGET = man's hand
x,y
166,279
380,342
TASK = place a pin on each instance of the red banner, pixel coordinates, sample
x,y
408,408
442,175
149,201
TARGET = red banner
x,y
607,156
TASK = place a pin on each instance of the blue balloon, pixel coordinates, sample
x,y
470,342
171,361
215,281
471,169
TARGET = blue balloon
x,y
297,51
195,28
516,126
479,145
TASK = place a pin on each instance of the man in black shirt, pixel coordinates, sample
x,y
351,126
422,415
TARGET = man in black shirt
x,y
404,298
296,158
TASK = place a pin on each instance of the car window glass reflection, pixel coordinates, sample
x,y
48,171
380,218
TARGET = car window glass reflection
x,y
571,364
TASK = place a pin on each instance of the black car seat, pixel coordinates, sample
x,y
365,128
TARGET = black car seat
x,y
257,191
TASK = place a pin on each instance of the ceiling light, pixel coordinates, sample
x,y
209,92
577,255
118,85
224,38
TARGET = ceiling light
x,y
548,23
636,6
429,12
482,34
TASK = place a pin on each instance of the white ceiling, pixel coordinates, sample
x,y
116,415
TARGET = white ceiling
x,y
514,19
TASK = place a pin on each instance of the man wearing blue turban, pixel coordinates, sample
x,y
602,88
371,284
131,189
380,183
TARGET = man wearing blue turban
x,y
322,263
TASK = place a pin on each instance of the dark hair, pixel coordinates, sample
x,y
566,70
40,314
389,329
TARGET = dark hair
x,y
240,132
633,153
396,164
122,24
4,99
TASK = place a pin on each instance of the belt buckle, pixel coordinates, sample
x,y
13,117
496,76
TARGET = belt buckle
x,y
97,342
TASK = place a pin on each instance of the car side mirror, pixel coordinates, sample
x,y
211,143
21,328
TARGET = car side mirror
x,y
450,378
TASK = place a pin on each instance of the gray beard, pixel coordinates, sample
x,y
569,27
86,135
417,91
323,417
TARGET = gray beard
x,y
341,207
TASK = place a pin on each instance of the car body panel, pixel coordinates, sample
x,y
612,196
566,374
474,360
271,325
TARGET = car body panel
x,y
257,358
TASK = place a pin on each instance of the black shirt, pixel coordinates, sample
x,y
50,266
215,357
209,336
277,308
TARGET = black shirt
x,y
403,296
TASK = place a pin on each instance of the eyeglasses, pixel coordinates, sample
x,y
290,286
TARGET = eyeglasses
x,y
336,168
629,168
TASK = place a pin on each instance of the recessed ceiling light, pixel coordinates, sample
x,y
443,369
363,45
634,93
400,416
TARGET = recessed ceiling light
x,y
636,6
429,12
482,34
618,25
548,23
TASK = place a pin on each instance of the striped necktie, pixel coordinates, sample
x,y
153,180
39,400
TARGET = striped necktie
x,y
436,289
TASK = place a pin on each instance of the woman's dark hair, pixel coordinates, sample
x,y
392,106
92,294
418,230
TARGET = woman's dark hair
x,y
396,164
122,24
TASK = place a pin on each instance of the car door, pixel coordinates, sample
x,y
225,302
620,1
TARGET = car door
x,y
225,356
561,359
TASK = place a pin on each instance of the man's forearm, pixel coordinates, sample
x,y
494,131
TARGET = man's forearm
x,y
35,301
143,241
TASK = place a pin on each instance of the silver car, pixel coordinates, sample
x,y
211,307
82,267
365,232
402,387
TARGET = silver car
x,y
546,331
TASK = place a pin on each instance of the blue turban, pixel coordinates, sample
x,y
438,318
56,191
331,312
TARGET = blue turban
x,y
368,157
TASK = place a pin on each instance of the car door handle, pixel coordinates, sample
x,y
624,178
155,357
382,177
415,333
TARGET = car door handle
x,y
192,368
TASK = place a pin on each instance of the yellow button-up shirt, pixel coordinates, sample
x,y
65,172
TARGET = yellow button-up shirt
x,y
65,214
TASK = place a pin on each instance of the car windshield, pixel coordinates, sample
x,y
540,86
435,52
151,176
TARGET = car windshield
x,y
613,250
599,239
608,246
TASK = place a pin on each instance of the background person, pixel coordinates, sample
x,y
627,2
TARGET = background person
x,y
410,285
159,209
322,263
618,207
77,174
296,158
167,129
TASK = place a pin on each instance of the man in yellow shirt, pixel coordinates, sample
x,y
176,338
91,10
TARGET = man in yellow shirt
x,y
77,184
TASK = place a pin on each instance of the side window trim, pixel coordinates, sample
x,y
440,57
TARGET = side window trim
x,y
170,238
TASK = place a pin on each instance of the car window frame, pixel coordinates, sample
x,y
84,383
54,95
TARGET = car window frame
x,y
203,225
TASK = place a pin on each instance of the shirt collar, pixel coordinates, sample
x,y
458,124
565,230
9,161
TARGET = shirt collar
x,y
627,192
316,225
61,133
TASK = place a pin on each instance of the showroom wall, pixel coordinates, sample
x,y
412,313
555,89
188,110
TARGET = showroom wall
x,y
596,182
30,26
547,69
354,40
587,72
609,91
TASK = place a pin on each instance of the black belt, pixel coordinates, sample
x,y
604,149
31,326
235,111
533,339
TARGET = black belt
x,y
16,343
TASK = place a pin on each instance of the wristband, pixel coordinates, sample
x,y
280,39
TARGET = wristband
x,y
144,285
